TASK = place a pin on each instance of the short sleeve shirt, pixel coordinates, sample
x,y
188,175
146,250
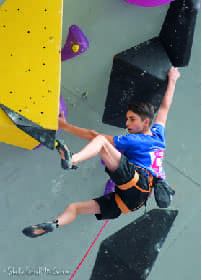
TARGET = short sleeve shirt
x,y
144,150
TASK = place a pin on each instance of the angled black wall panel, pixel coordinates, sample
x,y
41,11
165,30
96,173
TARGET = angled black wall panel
x,y
138,74
178,29
131,252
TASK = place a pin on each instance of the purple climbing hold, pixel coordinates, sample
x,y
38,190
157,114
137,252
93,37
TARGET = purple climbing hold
x,y
110,186
148,3
62,107
76,43
103,163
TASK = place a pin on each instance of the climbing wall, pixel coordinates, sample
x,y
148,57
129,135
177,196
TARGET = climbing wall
x,y
30,56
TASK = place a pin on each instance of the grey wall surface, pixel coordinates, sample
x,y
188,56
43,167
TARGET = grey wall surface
x,y
35,189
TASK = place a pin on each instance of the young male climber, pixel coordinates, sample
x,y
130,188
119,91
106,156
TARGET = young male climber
x,y
132,171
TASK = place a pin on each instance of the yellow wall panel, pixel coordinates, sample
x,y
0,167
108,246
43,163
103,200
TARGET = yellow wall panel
x,y
30,55
10,134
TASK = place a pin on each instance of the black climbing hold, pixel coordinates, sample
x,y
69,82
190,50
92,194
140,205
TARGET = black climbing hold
x,y
131,252
46,137
178,29
139,74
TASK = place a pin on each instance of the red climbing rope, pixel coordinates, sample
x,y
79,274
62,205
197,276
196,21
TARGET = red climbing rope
x,y
86,254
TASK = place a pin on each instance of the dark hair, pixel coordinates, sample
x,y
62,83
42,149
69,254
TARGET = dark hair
x,y
143,109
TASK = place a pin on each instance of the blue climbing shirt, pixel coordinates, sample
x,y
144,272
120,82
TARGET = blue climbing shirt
x,y
144,150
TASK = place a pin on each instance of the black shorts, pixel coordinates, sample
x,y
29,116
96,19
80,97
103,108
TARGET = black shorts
x,y
122,175
108,207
